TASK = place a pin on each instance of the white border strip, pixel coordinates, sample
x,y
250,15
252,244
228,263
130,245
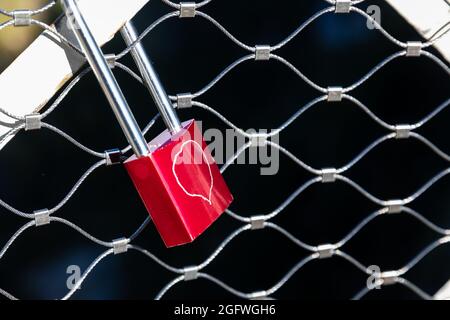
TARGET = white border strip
x,y
444,293
45,66
427,17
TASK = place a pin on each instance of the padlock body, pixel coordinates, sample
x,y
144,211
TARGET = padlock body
x,y
180,184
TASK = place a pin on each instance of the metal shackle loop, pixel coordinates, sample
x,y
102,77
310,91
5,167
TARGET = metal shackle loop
x,y
105,77
151,79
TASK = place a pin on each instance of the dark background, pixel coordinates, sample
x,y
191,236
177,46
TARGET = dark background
x,y
39,168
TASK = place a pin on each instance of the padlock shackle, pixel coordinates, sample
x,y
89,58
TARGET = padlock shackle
x,y
151,79
105,77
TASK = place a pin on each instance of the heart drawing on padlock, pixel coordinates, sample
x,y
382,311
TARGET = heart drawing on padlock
x,y
183,195
205,161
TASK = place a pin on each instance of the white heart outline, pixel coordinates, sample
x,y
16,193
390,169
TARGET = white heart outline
x,y
194,195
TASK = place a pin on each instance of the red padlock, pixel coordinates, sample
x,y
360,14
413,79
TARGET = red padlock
x,y
180,184
176,176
